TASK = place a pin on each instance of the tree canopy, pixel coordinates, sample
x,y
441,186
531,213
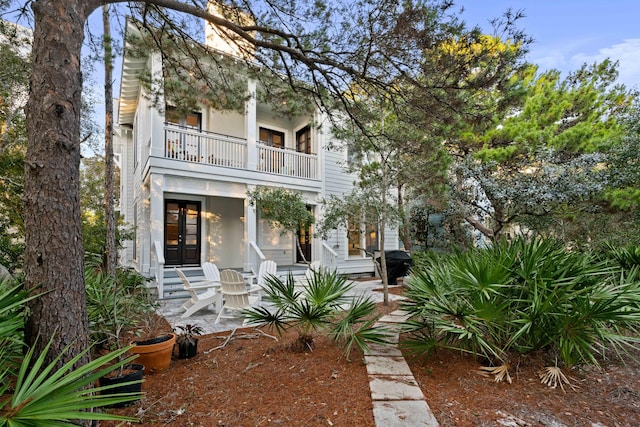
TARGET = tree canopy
x,y
323,50
546,154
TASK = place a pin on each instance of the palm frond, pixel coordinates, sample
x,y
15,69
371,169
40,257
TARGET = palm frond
x,y
552,376
500,373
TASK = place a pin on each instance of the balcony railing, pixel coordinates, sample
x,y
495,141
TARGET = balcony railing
x,y
221,150
286,162
204,147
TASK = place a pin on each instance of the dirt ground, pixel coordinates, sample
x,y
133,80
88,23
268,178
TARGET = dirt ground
x,y
254,380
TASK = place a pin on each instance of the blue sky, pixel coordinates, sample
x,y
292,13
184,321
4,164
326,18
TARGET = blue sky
x,y
568,33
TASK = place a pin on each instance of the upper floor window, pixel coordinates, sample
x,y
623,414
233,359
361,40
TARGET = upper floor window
x,y
271,137
191,120
303,140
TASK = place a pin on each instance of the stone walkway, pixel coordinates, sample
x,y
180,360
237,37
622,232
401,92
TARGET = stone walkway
x,y
397,398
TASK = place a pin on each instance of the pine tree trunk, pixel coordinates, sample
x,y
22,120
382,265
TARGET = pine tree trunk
x,y
109,212
405,230
54,258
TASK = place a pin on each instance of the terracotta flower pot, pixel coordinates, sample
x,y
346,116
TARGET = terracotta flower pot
x,y
154,354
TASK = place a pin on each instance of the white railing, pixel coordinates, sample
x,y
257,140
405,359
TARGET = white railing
x,y
204,147
329,257
255,257
287,162
157,263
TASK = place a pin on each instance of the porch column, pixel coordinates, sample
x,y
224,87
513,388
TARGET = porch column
x,y
156,206
157,120
250,231
144,228
251,123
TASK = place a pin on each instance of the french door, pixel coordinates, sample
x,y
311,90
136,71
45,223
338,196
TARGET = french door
x,y
182,232
304,239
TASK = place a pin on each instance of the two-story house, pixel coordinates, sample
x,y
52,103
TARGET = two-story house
x,y
185,177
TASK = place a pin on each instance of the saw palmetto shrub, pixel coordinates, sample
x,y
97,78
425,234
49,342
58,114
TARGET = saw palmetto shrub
x,y
516,298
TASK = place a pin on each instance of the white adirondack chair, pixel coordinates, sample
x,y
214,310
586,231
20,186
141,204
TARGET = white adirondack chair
x,y
235,294
198,301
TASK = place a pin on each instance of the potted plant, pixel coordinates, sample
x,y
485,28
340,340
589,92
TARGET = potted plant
x,y
187,341
154,353
115,304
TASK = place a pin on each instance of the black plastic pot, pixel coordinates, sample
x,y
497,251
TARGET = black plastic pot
x,y
187,350
133,372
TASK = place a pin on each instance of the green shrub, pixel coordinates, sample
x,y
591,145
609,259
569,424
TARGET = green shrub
x,y
115,305
34,394
513,299
318,306
626,256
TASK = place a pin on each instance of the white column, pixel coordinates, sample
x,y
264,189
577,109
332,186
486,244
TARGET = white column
x,y
155,116
250,230
251,123
144,224
156,207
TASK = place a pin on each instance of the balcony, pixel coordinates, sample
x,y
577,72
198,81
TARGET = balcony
x,y
209,148
204,147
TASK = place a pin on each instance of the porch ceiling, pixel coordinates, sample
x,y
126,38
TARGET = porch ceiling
x,y
132,67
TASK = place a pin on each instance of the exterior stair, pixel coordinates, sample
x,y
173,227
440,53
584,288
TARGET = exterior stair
x,y
173,285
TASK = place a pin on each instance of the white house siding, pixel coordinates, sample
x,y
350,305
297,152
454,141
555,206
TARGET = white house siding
x,y
229,123
125,149
223,220
274,246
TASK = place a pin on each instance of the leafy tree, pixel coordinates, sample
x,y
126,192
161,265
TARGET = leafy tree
x,y
282,209
92,190
13,94
394,141
543,156
624,166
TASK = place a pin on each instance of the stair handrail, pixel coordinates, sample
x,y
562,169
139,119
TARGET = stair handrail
x,y
329,256
255,257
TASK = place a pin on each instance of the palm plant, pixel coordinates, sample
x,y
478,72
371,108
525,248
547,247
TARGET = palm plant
x,y
37,395
626,256
530,295
44,396
321,305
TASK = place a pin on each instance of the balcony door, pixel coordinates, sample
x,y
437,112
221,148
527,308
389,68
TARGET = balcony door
x,y
182,232
304,239
183,145
273,161
303,140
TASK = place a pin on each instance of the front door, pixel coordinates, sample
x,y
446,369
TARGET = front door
x,y
304,239
182,232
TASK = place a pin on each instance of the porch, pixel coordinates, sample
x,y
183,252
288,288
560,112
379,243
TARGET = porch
x,y
169,286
